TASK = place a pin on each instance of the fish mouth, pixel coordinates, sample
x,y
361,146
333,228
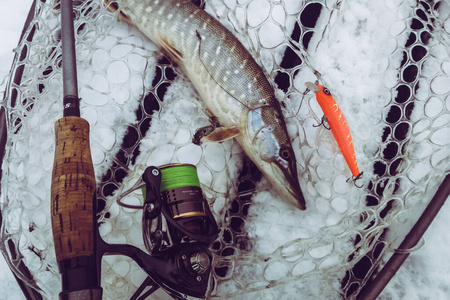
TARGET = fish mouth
x,y
313,87
292,185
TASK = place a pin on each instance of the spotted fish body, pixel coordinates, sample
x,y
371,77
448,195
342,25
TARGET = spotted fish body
x,y
229,81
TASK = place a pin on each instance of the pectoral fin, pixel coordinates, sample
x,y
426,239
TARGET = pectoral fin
x,y
173,53
221,134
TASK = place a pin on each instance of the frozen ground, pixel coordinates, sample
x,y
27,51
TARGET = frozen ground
x,y
425,275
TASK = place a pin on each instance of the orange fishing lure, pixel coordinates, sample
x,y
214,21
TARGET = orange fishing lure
x,y
338,125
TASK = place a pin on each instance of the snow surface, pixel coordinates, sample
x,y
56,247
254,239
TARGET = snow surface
x,y
426,273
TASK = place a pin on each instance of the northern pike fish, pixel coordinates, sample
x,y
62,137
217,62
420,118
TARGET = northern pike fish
x,y
229,81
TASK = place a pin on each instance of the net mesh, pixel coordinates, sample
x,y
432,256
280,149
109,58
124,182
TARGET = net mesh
x,y
143,111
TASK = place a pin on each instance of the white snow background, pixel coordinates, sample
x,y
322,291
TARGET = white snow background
x,y
425,274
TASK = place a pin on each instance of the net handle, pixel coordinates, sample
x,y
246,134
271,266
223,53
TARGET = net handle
x,y
374,288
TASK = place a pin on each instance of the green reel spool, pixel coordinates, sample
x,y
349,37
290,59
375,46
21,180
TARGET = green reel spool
x,y
178,175
181,191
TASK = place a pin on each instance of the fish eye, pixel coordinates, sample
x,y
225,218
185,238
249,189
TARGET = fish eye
x,y
285,153
326,91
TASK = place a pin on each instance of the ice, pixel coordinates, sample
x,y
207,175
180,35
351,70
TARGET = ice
x,y
340,204
277,233
214,155
303,267
430,67
270,35
398,27
106,137
267,60
340,184
440,85
183,136
137,62
99,60
441,137
438,159
321,251
161,155
120,94
124,222
257,12
99,83
278,14
419,172
90,115
221,183
118,72
137,277
92,97
121,267
265,247
240,16
40,219
441,121
433,107
190,154
325,171
120,51
107,42
292,6
116,238
219,204
330,262
97,155
185,110
276,271
137,86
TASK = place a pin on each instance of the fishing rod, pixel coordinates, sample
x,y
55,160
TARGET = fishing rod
x,y
73,183
178,225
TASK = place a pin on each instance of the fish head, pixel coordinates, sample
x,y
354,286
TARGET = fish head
x,y
273,153
323,94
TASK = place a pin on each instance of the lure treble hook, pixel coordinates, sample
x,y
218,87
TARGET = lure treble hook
x,y
355,178
323,123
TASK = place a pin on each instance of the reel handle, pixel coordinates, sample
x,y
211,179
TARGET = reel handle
x,y
152,178
72,208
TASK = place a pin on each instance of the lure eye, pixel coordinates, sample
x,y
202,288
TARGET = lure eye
x,y
326,91
285,153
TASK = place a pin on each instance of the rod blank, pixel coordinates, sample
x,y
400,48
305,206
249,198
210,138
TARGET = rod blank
x,y
69,65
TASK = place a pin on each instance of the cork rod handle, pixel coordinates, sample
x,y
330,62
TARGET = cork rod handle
x,y
72,191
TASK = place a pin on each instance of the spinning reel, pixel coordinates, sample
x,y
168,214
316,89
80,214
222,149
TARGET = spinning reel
x,y
178,226
175,210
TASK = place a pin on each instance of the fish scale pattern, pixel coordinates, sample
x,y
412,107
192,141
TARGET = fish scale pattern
x,y
143,111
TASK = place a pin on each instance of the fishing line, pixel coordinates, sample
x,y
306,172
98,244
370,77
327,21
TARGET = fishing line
x,y
138,185
301,102
177,176
318,75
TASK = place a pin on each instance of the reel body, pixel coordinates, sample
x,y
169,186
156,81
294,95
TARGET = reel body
x,y
178,228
